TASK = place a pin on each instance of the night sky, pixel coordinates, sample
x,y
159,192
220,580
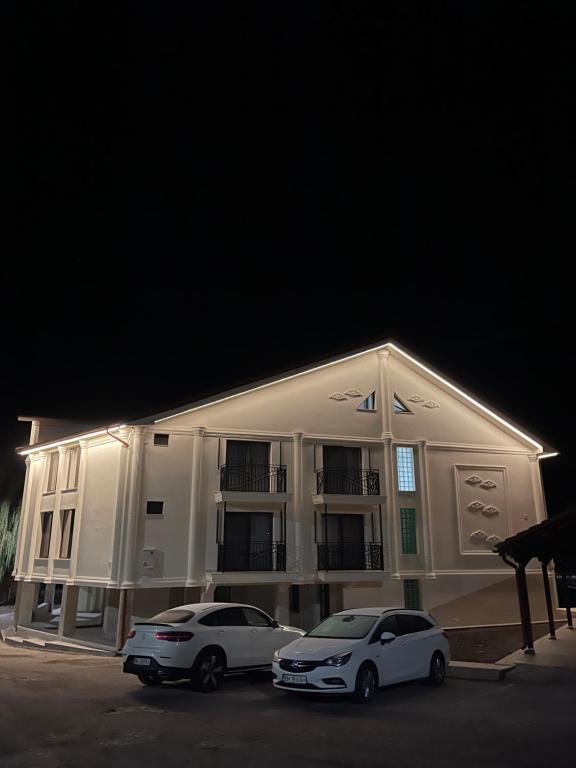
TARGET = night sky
x,y
200,195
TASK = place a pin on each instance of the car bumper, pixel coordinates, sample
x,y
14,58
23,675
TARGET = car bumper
x,y
165,672
320,680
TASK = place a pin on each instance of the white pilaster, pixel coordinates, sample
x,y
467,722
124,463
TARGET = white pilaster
x,y
35,507
425,510
56,524
537,488
385,406
301,530
77,532
24,520
130,559
393,534
282,606
196,542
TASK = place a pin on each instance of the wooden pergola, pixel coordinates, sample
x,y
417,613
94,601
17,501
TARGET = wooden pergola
x,y
552,539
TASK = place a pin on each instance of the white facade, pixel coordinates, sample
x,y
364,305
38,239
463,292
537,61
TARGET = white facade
x,y
477,480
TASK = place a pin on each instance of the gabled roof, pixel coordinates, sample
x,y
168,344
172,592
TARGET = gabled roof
x,y
395,349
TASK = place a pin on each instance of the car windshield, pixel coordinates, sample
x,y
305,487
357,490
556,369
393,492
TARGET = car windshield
x,y
173,616
347,627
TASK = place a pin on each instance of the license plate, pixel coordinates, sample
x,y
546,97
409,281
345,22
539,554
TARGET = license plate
x,y
140,662
296,679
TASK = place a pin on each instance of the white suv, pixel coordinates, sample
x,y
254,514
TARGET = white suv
x,y
202,642
359,650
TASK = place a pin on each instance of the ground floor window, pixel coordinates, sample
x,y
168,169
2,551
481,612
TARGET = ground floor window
x,y
412,594
46,533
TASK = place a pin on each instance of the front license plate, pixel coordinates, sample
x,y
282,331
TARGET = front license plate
x,y
296,679
139,661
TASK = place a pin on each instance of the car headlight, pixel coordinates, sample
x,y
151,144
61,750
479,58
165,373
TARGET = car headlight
x,y
338,660
276,656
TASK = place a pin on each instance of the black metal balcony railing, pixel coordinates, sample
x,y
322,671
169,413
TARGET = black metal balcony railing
x,y
262,478
356,482
350,556
251,556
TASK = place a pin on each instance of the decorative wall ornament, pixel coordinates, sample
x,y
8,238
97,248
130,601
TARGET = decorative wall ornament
x,y
423,401
478,536
487,484
416,399
473,480
353,393
494,539
490,510
475,506
430,404
337,396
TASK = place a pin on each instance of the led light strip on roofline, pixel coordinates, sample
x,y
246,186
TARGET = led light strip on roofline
x,y
55,444
366,352
548,455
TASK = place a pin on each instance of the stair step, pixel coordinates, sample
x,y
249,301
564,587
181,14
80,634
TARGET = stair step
x,y
31,642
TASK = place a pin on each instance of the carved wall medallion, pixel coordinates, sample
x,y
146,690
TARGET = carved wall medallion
x,y
337,396
493,539
490,510
478,536
475,506
473,480
430,404
423,401
353,393
487,484
416,399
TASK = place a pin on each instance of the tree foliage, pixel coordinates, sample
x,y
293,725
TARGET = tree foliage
x,y
9,520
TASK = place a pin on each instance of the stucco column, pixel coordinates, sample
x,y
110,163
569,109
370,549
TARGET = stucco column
x,y
385,406
77,532
301,530
68,609
26,601
282,606
537,489
24,519
207,593
392,532
133,510
196,542
35,508
425,509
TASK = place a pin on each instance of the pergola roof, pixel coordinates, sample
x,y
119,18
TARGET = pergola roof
x,y
552,538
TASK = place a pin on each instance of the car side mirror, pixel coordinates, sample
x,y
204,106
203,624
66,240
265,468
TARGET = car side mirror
x,y
275,624
387,637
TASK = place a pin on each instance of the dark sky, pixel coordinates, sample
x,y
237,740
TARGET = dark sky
x,y
204,194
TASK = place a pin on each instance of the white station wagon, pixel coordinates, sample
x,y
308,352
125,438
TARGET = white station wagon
x,y
359,650
202,642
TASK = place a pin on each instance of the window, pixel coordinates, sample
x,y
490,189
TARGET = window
x,y
67,521
52,472
154,507
408,531
388,624
412,594
73,466
405,468
256,618
369,404
46,529
399,406
171,616
160,439
408,624
227,617
347,626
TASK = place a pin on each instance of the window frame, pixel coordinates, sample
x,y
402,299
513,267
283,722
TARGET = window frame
x,y
406,534
269,621
45,535
408,584
73,452
400,465
52,474
70,536
155,514
162,444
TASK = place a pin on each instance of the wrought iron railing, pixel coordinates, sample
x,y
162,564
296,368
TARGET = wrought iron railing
x,y
263,478
356,482
350,556
251,556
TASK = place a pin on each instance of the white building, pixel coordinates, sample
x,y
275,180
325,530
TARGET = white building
x,y
368,479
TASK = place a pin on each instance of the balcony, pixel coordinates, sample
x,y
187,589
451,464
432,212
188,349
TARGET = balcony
x,y
252,482
251,556
348,486
350,556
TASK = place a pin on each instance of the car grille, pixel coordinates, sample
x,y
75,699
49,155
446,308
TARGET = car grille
x,y
297,666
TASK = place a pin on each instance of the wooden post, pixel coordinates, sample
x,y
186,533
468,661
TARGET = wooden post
x,y
548,599
568,609
524,604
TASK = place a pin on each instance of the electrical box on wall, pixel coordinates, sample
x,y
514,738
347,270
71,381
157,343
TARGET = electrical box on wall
x,y
152,562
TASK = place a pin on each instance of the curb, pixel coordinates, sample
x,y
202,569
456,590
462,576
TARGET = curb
x,y
470,670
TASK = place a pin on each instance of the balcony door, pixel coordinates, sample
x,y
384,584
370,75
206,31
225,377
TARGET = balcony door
x,y
247,466
342,469
345,542
248,541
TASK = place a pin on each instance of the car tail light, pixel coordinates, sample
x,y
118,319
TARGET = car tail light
x,y
131,634
174,637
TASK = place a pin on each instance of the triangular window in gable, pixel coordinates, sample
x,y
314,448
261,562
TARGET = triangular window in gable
x,y
369,404
399,406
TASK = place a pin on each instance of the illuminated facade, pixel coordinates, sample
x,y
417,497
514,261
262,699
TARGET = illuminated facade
x,y
365,480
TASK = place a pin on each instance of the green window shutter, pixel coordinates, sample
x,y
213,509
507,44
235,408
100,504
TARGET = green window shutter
x,y
412,594
408,531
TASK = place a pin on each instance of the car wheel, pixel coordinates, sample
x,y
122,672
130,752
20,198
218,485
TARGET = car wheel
x,y
149,678
437,673
366,684
209,670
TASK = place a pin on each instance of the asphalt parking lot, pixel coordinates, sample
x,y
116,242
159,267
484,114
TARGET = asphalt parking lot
x,y
62,710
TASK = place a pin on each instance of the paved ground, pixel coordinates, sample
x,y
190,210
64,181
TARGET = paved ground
x,y
488,644
61,710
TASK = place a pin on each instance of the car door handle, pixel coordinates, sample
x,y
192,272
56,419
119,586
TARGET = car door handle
x,y
220,631
253,631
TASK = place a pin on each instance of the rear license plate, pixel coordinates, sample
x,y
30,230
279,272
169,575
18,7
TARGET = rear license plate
x,y
295,679
139,661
